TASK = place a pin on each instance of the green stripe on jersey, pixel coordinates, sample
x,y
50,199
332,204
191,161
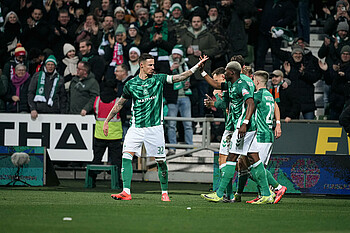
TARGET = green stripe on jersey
x,y
147,100
264,114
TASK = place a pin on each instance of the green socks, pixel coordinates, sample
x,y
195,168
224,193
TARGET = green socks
x,y
271,180
227,174
163,175
127,173
259,175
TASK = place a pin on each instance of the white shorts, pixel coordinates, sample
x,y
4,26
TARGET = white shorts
x,y
265,150
246,145
225,142
152,137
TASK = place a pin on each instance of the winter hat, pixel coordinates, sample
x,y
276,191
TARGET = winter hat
x,y
134,49
343,26
297,49
20,51
120,29
52,59
175,6
178,49
276,73
133,26
345,49
341,3
67,47
119,9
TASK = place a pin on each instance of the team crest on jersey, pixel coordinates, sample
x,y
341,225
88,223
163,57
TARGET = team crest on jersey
x,y
145,92
245,92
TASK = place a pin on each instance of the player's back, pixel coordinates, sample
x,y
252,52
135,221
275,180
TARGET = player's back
x,y
264,114
147,100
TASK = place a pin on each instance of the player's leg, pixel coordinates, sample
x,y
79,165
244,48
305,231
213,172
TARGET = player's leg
x,y
155,147
243,175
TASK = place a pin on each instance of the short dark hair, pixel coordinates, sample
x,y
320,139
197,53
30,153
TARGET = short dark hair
x,y
197,16
63,11
144,57
86,65
217,71
158,10
124,67
239,59
88,42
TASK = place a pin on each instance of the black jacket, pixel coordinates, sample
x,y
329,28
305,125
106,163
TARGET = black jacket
x,y
97,64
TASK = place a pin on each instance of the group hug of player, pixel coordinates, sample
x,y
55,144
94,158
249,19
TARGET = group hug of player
x,y
246,144
248,135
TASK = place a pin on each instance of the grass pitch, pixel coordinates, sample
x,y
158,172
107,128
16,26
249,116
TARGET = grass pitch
x,y
92,210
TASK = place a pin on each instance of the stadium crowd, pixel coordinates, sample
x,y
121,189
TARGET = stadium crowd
x,y
57,56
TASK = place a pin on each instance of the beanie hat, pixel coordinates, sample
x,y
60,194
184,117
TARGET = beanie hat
x,y
134,49
343,26
297,49
52,59
341,3
67,47
345,49
20,50
119,9
120,29
133,26
176,6
178,49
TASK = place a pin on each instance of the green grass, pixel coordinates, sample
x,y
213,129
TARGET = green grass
x,y
92,210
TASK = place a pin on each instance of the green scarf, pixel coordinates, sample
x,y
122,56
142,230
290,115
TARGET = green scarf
x,y
40,89
164,32
87,58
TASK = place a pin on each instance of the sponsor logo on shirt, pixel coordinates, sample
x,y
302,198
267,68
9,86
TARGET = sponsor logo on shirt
x,y
245,92
146,99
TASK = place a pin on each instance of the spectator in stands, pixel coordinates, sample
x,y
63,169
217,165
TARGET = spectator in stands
x,y
17,95
119,14
106,31
165,6
12,34
69,64
198,41
275,14
177,22
337,76
177,97
138,4
36,59
64,32
143,20
159,41
19,58
116,53
37,32
214,23
236,15
46,93
102,106
121,77
284,96
194,7
3,91
83,90
341,15
107,8
96,62
133,37
88,29
303,74
340,40
133,63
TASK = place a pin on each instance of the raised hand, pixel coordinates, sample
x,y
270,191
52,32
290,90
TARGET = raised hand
x,y
323,65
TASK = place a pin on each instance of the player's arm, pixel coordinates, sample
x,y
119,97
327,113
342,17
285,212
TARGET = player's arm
x,y
188,73
250,110
116,108
278,130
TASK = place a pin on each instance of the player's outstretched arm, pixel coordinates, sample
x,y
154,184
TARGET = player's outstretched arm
x,y
116,108
188,73
210,81
278,130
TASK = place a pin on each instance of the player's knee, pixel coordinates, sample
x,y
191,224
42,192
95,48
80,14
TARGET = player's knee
x,y
127,155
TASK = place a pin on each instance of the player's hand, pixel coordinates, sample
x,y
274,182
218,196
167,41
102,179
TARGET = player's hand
x,y
288,119
105,128
242,131
202,60
278,131
209,102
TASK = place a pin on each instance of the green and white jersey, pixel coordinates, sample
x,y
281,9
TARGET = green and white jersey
x,y
147,100
250,83
238,93
264,114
